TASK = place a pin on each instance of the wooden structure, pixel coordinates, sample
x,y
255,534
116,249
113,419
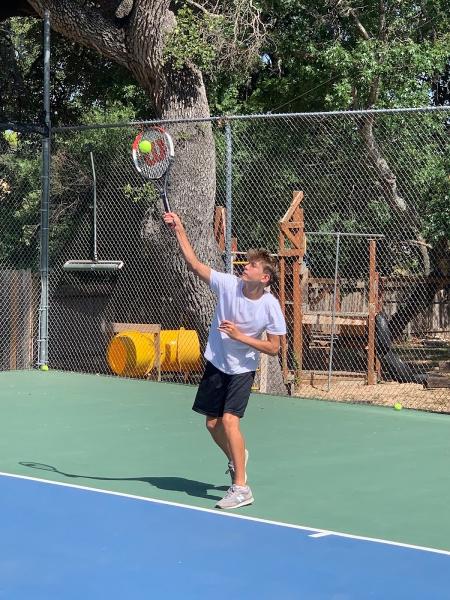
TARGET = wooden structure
x,y
291,250
18,309
357,326
220,228
436,381
294,300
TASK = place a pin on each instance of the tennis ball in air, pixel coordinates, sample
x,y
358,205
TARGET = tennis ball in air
x,y
398,406
145,146
44,367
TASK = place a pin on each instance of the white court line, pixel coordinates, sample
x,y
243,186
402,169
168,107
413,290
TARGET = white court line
x,y
320,534
219,513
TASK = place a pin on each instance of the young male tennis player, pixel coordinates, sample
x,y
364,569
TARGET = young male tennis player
x,y
244,311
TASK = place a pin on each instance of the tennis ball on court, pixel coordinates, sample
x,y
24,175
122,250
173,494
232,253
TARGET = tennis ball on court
x,y
44,367
398,406
145,146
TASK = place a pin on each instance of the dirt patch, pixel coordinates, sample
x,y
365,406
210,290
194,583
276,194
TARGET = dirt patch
x,y
410,395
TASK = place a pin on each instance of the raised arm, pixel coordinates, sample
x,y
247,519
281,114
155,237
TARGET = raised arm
x,y
193,264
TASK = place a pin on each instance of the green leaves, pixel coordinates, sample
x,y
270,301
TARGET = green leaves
x,y
19,201
320,59
189,41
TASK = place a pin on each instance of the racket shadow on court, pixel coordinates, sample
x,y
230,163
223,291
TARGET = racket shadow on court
x,y
176,484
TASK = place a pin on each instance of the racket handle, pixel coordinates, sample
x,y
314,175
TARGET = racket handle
x,y
166,204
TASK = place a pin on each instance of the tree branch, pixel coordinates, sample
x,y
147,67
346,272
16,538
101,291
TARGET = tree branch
x,y
152,17
346,10
388,179
115,8
373,92
149,23
388,182
202,9
382,34
86,26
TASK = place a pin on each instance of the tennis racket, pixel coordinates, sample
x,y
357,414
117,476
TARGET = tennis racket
x,y
153,157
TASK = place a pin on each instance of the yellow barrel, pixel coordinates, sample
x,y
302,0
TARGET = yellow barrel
x,y
132,354
180,350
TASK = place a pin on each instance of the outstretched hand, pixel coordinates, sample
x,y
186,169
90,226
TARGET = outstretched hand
x,y
230,329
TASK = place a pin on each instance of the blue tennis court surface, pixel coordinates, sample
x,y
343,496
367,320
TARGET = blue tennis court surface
x,y
68,542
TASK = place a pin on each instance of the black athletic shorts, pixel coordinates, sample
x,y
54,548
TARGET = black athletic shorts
x,y
219,392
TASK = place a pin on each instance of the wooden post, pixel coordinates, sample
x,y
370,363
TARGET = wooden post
x,y
282,294
292,245
298,329
14,315
378,310
30,318
219,227
371,374
263,369
219,230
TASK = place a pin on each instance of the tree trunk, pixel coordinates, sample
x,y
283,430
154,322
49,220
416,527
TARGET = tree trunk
x,y
275,382
192,193
388,182
421,294
139,46
179,94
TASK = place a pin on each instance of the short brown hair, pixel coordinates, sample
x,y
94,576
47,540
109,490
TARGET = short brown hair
x,y
269,262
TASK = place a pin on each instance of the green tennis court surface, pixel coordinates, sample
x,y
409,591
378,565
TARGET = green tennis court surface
x,y
368,471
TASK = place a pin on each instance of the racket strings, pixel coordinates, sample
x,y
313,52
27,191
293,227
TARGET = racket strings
x,y
155,163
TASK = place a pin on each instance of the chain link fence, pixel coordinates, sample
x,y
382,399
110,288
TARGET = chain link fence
x,y
19,249
355,206
368,308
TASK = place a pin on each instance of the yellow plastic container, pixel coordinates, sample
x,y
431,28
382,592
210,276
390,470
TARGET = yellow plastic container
x,y
180,350
133,354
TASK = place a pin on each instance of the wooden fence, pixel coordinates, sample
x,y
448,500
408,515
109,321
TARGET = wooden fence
x,y
18,319
434,320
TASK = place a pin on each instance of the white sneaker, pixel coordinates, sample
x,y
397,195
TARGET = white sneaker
x,y
231,470
236,497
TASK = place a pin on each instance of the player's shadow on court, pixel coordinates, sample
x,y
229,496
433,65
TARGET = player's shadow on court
x,y
191,487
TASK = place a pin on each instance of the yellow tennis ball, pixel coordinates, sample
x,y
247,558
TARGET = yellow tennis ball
x,y
43,367
145,146
398,406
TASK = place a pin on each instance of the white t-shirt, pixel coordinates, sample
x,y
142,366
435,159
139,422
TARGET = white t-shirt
x,y
251,317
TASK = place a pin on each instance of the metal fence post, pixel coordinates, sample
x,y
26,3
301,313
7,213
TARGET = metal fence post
x,y
45,177
228,197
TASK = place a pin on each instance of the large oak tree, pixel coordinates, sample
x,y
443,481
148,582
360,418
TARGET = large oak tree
x,y
133,34
136,35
